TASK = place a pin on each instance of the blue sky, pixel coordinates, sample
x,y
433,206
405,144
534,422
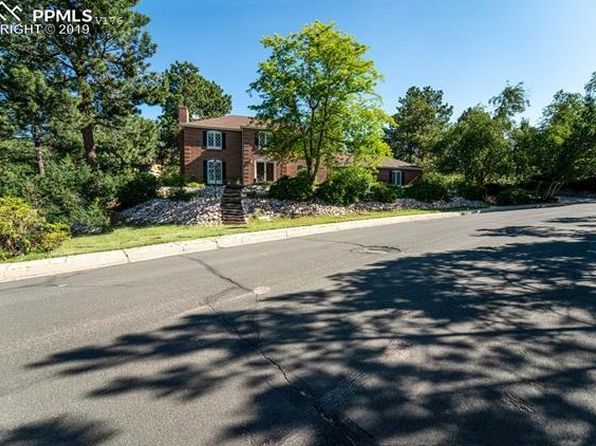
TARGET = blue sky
x,y
469,49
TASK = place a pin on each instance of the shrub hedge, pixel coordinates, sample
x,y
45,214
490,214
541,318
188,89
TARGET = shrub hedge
x,y
23,230
428,189
386,193
347,185
513,196
297,188
138,189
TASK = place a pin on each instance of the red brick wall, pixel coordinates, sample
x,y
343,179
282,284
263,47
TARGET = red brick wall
x,y
240,154
301,164
250,153
409,175
194,154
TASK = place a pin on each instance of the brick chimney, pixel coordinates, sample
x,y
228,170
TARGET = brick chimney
x,y
183,115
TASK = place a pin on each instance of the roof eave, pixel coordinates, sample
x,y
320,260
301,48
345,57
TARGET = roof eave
x,y
215,127
399,167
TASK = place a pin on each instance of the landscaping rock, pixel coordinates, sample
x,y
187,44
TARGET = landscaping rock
x,y
256,190
272,208
202,192
82,229
198,211
454,203
206,209
212,192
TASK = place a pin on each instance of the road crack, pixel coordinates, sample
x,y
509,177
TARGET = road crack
x,y
222,276
342,431
360,247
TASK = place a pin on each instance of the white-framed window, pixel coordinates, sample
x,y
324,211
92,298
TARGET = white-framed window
x,y
214,172
396,178
263,139
264,171
214,140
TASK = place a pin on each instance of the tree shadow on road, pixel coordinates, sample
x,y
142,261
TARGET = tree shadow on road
x,y
62,430
488,346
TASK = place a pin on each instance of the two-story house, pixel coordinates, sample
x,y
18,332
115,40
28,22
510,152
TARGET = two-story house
x,y
229,149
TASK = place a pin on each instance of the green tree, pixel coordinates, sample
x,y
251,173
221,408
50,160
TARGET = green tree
x,y
511,101
524,138
105,70
421,119
32,106
476,147
183,85
317,96
131,147
482,145
564,150
6,126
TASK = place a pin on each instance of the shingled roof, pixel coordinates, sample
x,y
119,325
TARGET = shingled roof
x,y
392,163
228,122
385,163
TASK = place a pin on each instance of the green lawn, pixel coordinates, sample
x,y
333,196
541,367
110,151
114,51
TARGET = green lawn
x,y
131,236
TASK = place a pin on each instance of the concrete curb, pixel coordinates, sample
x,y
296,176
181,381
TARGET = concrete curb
x,y
59,265
519,207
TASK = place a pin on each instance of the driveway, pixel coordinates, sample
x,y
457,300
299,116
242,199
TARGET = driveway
x,y
479,330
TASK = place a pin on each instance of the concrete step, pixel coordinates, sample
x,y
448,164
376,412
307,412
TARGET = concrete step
x,y
232,212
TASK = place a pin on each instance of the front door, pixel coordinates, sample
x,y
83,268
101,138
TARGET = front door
x,y
214,172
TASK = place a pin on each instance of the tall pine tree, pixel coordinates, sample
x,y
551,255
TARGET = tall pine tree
x,y
183,85
104,70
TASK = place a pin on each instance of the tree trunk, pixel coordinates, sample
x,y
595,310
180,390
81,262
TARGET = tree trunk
x,y
38,150
538,187
552,190
89,144
557,189
315,171
40,162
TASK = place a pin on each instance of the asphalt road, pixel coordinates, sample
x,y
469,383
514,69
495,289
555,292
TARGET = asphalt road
x,y
479,330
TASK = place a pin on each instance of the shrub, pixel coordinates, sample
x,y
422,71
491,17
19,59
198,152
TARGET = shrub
x,y
24,230
347,185
471,191
14,176
514,196
181,194
385,193
142,187
195,185
172,177
297,188
92,215
67,191
428,189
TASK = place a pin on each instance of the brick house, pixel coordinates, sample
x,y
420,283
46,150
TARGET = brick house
x,y
229,149
398,172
